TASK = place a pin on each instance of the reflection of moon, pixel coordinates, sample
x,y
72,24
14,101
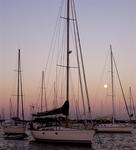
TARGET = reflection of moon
x,y
105,85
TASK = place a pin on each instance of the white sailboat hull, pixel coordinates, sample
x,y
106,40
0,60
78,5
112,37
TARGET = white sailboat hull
x,y
114,129
65,136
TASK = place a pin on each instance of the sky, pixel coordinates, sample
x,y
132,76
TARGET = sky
x,y
29,25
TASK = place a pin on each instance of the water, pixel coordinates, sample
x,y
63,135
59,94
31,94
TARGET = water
x,y
101,142
115,141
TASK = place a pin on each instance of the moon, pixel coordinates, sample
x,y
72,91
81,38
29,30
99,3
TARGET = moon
x,y
105,86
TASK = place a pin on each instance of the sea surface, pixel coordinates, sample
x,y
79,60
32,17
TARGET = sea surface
x,y
100,142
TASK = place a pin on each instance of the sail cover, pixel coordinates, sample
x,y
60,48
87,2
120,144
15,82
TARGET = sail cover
x,y
62,110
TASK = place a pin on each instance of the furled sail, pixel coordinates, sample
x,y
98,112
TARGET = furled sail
x,y
62,110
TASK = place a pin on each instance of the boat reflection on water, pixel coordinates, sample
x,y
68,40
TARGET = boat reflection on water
x,y
41,146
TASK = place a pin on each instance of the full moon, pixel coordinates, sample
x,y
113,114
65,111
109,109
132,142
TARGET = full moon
x,y
105,85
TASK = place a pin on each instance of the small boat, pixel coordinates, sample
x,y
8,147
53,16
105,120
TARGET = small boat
x,y
13,128
114,127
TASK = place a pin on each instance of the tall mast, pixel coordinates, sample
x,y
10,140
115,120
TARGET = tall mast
x,y
18,83
42,91
130,98
112,86
55,96
10,108
19,88
68,52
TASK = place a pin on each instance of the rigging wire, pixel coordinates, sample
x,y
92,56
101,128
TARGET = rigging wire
x,y
82,63
78,63
53,41
101,76
123,94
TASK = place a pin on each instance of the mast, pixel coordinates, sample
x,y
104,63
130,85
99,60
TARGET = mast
x,y
112,86
68,52
10,112
130,98
55,96
18,83
42,91
19,87
10,108
22,102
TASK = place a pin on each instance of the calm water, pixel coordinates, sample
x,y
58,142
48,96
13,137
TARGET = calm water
x,y
101,142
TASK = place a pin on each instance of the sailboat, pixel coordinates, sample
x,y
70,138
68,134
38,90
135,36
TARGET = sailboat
x,y
63,133
114,127
16,127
